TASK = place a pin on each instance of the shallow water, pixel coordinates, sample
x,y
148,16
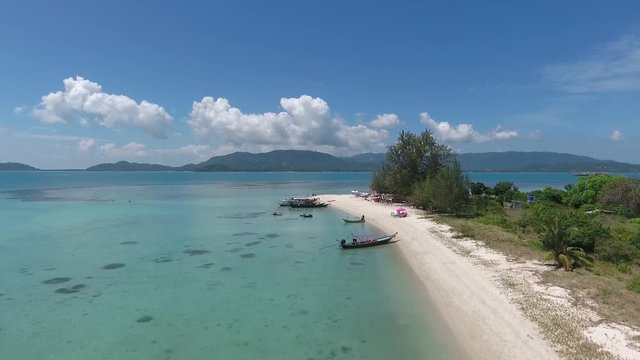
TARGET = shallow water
x,y
177,267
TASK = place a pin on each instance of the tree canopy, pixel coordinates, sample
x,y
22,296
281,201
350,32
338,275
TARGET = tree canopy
x,y
412,159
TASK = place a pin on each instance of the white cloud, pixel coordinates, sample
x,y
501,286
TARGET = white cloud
x,y
616,135
18,110
305,123
83,101
385,121
614,67
132,149
86,145
464,132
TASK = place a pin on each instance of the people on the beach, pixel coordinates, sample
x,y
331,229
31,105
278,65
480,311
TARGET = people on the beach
x,y
362,218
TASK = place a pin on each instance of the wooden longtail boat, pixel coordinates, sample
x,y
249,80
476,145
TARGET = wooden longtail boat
x,y
354,220
366,243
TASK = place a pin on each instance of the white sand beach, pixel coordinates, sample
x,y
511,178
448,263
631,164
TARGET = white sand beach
x,y
493,305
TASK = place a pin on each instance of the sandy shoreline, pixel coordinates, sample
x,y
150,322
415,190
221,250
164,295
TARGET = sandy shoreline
x,y
495,307
480,317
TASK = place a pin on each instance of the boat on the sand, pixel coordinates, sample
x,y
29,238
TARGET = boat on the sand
x,y
355,244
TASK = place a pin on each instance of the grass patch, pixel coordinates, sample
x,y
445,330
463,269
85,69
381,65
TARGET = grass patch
x,y
634,284
517,245
614,289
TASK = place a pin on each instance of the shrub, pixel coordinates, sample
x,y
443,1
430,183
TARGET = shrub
x,y
634,284
618,247
623,267
587,189
622,196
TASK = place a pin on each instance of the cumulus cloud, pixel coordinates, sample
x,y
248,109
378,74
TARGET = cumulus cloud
x,y
305,123
83,101
132,149
616,135
614,67
385,121
18,110
464,132
86,145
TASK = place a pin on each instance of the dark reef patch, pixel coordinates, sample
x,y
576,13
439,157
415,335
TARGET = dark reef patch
x,y
56,280
162,259
272,235
356,263
206,266
49,269
130,242
253,243
78,287
246,233
193,252
65,291
113,266
247,215
225,268
235,250
144,319
248,256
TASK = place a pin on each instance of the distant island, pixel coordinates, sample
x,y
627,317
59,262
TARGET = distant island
x,y
12,166
309,161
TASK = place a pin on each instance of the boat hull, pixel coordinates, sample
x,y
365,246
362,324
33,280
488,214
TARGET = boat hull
x,y
368,243
352,221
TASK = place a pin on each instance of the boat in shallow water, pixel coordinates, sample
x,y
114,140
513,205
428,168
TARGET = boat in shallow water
x,y
355,244
354,220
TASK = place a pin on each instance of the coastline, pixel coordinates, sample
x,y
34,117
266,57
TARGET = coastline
x,y
467,296
496,307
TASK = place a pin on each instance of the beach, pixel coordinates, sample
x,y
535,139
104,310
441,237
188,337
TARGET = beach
x,y
495,306
468,296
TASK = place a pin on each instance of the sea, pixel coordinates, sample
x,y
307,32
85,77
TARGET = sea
x,y
178,265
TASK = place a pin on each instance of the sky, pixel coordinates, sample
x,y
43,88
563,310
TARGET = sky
x,y
176,82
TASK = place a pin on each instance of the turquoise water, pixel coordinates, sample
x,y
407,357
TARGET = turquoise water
x,y
198,268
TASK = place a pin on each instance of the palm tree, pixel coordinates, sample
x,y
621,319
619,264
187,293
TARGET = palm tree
x,y
555,225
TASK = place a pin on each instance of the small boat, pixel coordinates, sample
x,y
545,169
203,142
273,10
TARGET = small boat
x,y
277,213
354,220
306,215
366,243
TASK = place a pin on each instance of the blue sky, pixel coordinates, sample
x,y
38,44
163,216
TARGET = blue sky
x,y
176,82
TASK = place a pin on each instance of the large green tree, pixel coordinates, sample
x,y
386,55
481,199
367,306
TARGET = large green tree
x,y
411,160
587,189
446,191
622,195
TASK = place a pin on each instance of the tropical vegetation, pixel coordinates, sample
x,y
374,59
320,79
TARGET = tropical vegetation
x,y
595,219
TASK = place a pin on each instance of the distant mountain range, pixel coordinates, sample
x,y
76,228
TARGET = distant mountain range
x,y
300,160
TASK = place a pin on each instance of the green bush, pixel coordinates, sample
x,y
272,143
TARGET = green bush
x,y
618,247
587,189
634,284
623,267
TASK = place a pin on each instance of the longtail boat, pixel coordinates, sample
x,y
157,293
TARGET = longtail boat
x,y
354,220
366,243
